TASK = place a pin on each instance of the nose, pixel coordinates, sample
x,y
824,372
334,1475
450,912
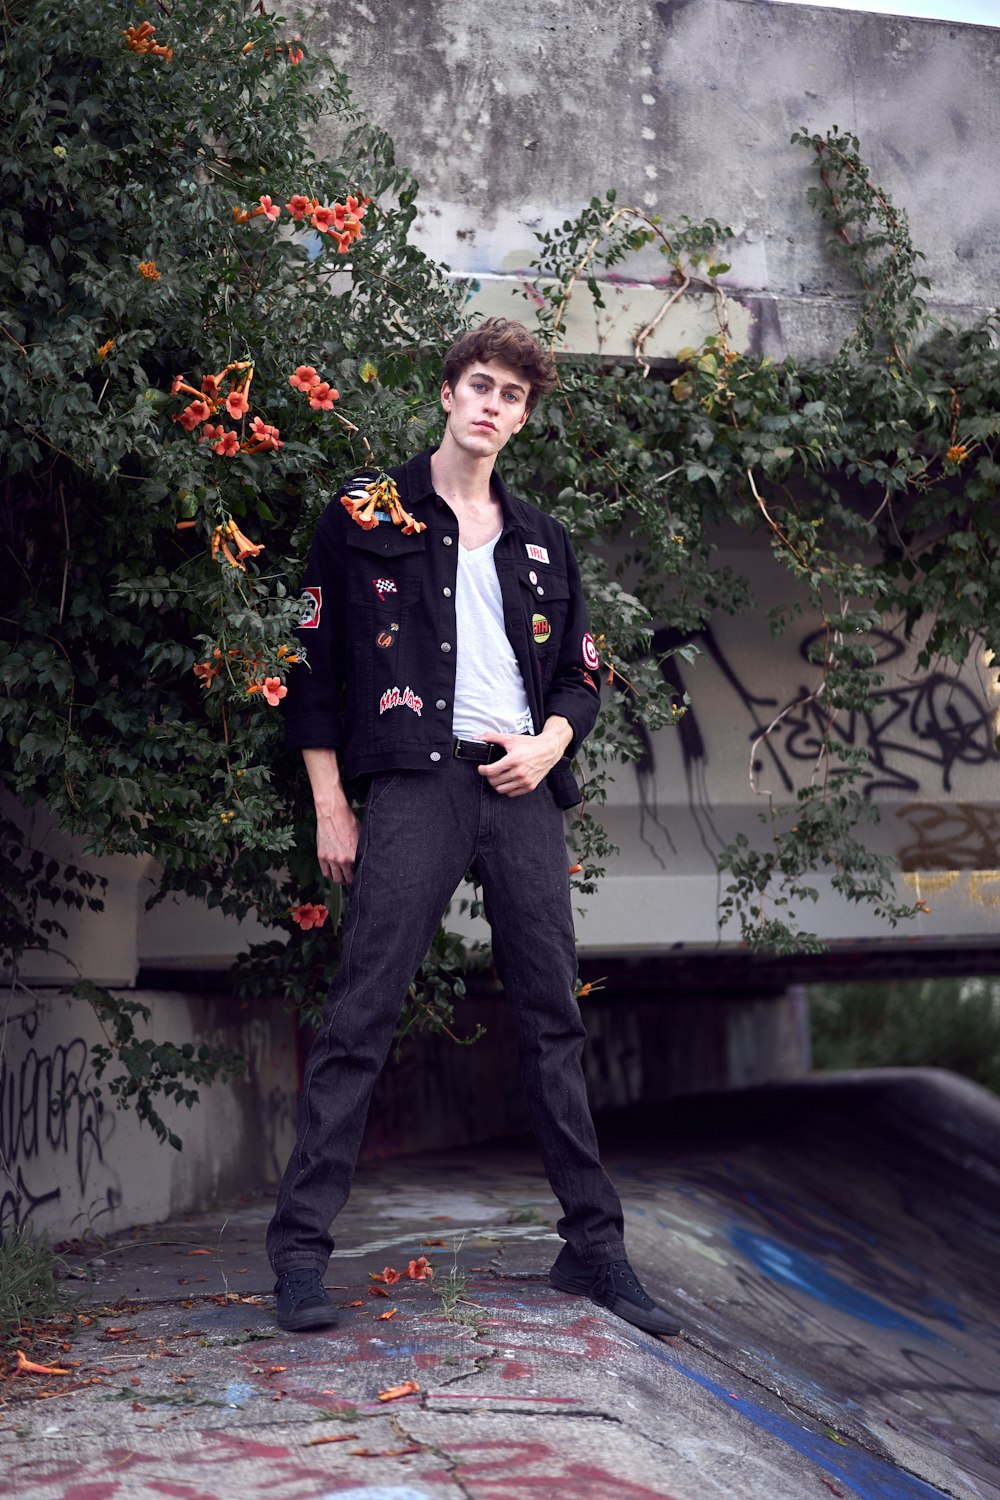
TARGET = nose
x,y
491,400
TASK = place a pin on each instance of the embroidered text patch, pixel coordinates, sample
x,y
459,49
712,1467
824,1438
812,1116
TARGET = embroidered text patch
x,y
393,698
540,629
536,553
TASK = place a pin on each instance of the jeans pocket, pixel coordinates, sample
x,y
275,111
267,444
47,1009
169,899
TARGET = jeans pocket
x,y
381,782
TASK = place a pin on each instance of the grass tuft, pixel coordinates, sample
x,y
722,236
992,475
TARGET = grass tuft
x,y
31,1291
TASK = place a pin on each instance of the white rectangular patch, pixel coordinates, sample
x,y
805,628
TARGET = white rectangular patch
x,y
537,554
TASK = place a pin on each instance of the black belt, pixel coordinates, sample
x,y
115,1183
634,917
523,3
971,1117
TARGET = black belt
x,y
477,750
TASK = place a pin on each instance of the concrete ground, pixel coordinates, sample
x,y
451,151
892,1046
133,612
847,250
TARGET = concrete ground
x,y
830,1247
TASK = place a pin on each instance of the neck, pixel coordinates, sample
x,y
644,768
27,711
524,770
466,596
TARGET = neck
x,y
461,477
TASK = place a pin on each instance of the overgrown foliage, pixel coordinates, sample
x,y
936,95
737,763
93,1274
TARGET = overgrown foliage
x,y
31,1291
928,1023
204,327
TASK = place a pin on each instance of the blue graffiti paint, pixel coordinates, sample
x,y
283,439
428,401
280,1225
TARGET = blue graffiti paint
x,y
794,1268
238,1394
868,1477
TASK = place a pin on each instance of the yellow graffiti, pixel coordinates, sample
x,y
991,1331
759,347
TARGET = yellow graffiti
x,y
925,883
981,886
984,887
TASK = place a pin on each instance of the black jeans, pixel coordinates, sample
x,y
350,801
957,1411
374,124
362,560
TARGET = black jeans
x,y
421,832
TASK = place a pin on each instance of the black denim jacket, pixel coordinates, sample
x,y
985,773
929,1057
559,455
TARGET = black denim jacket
x,y
380,633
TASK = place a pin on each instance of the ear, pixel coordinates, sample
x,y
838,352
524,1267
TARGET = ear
x,y
524,417
446,395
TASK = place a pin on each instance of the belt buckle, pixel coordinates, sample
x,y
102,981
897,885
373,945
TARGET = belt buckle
x,y
463,747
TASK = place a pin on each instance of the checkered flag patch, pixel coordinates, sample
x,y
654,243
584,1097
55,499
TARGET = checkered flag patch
x,y
385,586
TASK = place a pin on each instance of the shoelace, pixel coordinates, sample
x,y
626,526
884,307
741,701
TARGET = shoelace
x,y
301,1284
613,1274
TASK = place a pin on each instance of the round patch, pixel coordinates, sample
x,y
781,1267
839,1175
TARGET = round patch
x,y
384,639
540,629
590,657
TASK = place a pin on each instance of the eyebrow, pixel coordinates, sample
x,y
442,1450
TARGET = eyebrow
x,y
508,385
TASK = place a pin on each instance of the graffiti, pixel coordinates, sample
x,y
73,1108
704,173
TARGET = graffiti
x,y
950,836
45,1111
509,1468
840,1308
935,724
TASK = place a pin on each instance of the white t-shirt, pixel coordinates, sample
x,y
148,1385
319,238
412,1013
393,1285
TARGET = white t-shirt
x,y
489,689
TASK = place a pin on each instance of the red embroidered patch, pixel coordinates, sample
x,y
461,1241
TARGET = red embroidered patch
x,y
393,698
590,657
590,681
313,594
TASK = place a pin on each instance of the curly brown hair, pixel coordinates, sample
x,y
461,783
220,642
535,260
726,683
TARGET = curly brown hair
x,y
510,343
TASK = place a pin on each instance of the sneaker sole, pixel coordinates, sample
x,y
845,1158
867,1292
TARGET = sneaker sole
x,y
650,1322
309,1317
657,1323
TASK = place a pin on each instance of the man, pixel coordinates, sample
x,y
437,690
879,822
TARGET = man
x,y
452,670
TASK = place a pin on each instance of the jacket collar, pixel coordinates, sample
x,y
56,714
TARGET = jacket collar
x,y
415,484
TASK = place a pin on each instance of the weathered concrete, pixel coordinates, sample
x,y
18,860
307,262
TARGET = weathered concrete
x,y
512,118
74,1163
830,1247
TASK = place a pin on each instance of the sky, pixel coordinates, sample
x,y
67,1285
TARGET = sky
x,y
978,12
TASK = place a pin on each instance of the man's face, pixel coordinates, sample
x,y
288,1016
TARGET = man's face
x,y
488,404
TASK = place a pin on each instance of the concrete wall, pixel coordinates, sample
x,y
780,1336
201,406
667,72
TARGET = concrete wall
x,y
70,1161
513,116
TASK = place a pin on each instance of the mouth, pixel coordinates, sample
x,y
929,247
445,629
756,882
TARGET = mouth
x,y
487,426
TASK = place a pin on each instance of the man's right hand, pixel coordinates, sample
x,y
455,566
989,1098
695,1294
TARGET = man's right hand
x,y
337,841
336,825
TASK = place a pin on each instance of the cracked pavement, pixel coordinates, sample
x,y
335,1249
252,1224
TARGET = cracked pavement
x,y
830,1247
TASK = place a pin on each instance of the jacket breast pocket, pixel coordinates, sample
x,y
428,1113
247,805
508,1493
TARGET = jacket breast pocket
x,y
384,567
545,598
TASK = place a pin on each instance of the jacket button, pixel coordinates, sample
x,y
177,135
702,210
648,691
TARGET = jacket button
x,y
532,577
539,590
445,645
446,593
447,540
441,703
435,755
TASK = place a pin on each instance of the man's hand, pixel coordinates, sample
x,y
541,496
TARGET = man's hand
x,y
529,757
336,825
337,841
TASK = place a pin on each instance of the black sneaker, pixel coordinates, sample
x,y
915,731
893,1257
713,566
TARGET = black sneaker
x,y
613,1285
301,1301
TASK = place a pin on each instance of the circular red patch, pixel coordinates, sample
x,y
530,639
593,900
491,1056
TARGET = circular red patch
x,y
590,658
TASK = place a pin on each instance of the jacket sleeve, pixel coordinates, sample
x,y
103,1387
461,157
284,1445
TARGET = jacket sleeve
x,y
313,709
574,690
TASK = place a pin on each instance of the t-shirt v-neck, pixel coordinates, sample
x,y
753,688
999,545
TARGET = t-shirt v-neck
x,y
489,689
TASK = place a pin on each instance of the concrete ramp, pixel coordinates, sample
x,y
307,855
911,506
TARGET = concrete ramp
x,y
831,1247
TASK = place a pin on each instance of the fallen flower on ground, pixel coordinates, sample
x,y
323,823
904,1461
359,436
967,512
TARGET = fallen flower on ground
x,y
408,1388
26,1366
388,1274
